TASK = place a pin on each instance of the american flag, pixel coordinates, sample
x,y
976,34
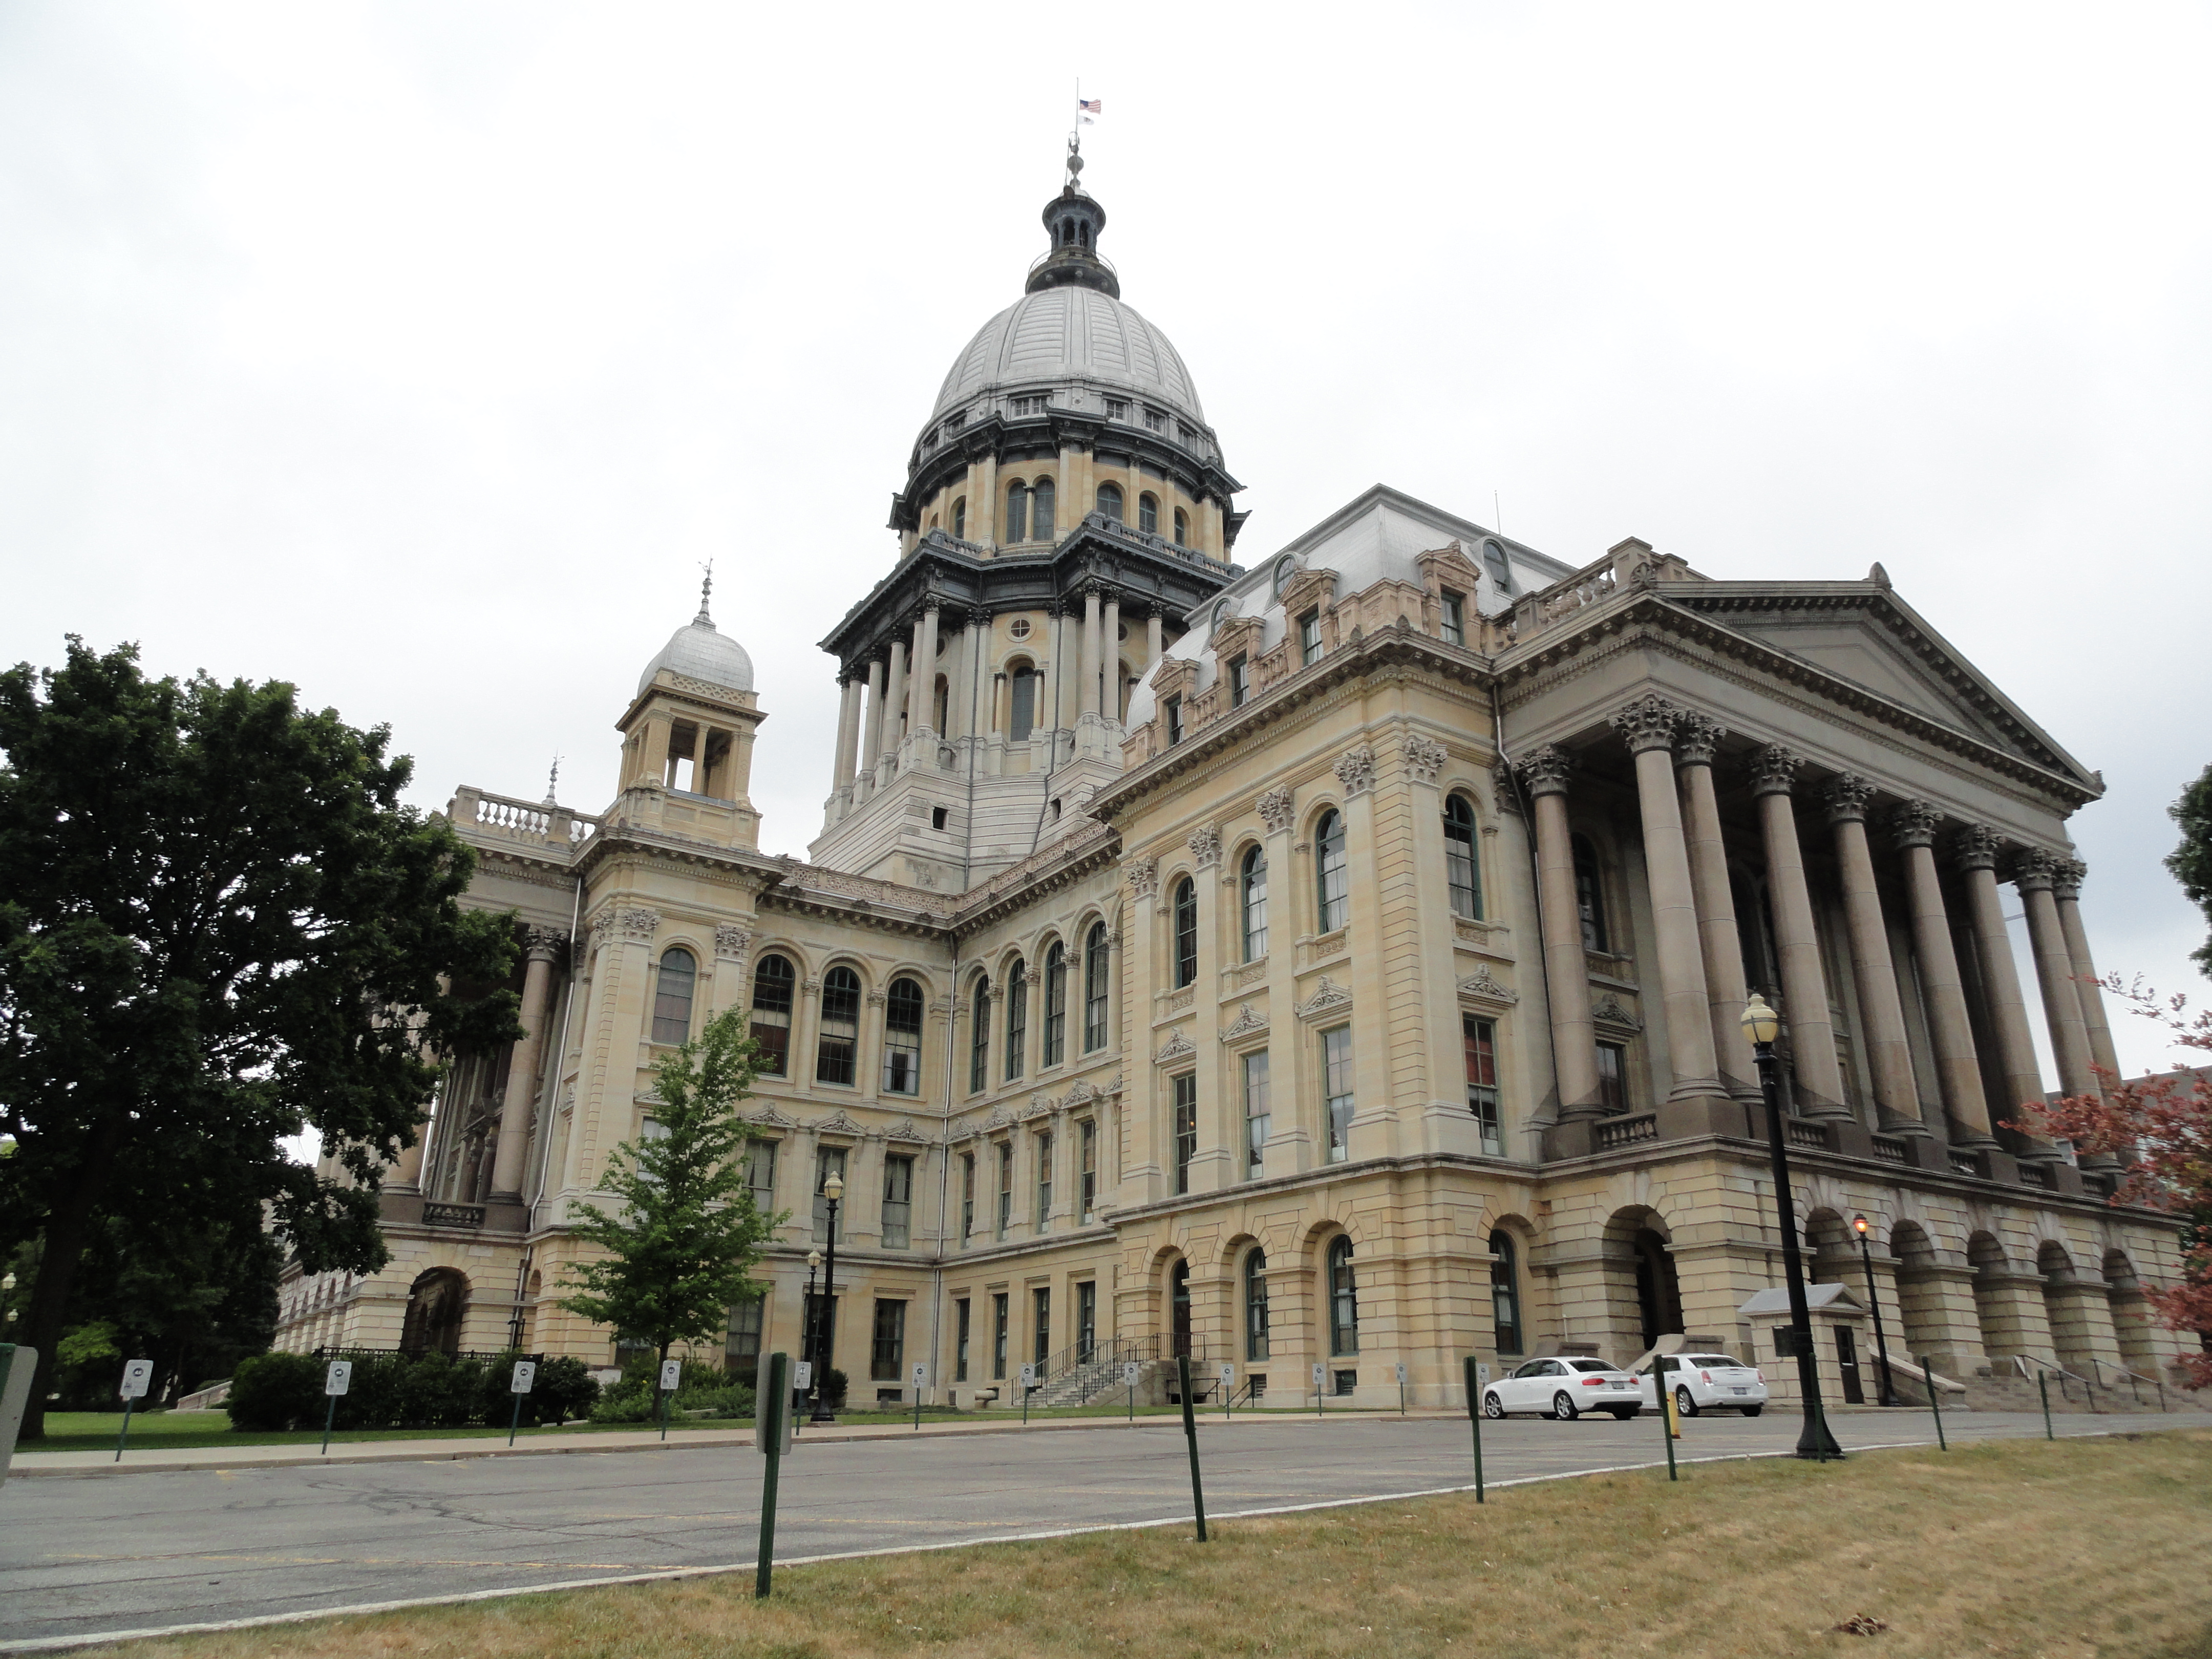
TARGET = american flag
x,y
1091,105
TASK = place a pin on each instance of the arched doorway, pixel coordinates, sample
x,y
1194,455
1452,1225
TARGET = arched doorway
x,y
1988,1257
437,1306
1179,1311
1658,1292
2070,1337
2130,1315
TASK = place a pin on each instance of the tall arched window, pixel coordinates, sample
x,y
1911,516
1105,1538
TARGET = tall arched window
x,y
1493,560
672,996
1589,895
1055,1004
1094,989
773,983
1343,1299
1186,932
1331,881
1284,570
1021,714
839,1045
1148,513
1018,511
1017,1018
903,1038
1459,868
1252,896
1255,1304
1181,527
1504,1291
978,1039
960,519
1110,501
1041,500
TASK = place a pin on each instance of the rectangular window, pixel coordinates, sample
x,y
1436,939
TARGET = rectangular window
x,y
839,1044
888,1352
1095,974
1257,1115
998,1337
1240,680
1155,421
1086,1321
827,1160
1117,408
1310,638
1175,719
903,1040
741,1354
898,1202
967,1196
673,985
1481,1042
1612,1079
1044,1182
1055,1007
1025,710
1186,1128
1454,618
1018,1023
1336,1083
1040,1335
760,1175
1089,1134
979,1052
960,1312
1029,405
1005,1187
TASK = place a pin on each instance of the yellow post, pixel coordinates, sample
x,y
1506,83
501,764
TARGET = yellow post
x,y
1666,1405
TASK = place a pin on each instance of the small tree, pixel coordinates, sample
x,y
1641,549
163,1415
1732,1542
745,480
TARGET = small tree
x,y
682,1246
2191,862
2162,1128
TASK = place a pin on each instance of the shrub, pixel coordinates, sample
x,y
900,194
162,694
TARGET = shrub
x,y
272,1392
833,1389
735,1400
630,1400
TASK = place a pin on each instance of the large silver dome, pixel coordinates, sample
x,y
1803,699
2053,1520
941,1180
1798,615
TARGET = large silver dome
x,y
700,653
1073,337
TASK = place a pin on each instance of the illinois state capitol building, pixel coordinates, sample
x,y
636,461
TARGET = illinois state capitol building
x,y
1334,960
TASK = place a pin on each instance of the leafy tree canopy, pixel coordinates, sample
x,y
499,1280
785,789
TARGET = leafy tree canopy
x,y
2191,862
218,928
682,1248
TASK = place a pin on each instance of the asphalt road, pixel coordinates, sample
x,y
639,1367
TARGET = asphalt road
x,y
79,1558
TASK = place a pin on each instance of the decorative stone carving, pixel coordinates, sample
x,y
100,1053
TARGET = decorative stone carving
x,y
1696,737
1330,996
1040,1103
1424,759
1483,985
904,1129
875,998
837,1123
545,944
1177,1047
770,1116
1143,876
1913,824
1205,847
732,942
1545,771
999,1119
2067,876
638,923
1277,808
1613,1013
1774,770
812,987
1645,722
1079,1095
1245,1023
1846,796
1977,846
1113,1088
2034,871
1356,771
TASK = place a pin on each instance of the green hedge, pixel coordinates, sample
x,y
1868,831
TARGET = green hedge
x,y
276,1391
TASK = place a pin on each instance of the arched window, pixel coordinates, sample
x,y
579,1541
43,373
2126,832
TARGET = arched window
x,y
1018,511
1255,1304
1186,932
1493,560
672,996
1589,895
1181,527
1331,879
773,982
903,1038
1148,513
1459,868
960,518
840,1042
1252,896
1343,1299
1504,1291
1094,989
1055,1004
1041,502
1284,570
1017,1018
1022,716
1110,501
979,1049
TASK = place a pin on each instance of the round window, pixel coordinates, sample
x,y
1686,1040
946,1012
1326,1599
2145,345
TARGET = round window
x,y
1122,632
1020,630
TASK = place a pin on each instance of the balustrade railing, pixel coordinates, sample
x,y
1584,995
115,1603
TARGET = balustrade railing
x,y
1617,1132
544,822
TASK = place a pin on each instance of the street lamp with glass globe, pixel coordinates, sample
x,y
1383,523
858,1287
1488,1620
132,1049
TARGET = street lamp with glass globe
x,y
1762,1026
813,1315
1873,1302
833,1190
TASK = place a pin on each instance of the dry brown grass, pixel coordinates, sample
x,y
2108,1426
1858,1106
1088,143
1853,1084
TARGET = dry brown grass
x,y
2090,1547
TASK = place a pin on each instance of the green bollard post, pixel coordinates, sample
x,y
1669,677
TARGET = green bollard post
x,y
515,1421
663,1393
1190,1435
2043,1388
1666,1415
329,1418
770,1414
125,1435
1928,1380
1474,1418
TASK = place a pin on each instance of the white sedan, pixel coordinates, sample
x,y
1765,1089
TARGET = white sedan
x,y
1565,1389
1704,1381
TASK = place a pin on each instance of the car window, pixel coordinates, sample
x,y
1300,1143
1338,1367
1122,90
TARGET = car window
x,y
1533,1368
1713,1359
1591,1365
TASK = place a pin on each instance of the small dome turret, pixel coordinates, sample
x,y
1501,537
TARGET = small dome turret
x,y
701,651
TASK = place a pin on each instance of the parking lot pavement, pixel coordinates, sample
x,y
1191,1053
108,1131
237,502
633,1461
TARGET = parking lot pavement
x,y
80,1558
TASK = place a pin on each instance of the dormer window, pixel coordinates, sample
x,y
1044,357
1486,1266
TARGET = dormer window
x,y
1240,681
1310,638
1029,405
1493,561
1284,571
1117,408
1155,421
1175,719
1454,621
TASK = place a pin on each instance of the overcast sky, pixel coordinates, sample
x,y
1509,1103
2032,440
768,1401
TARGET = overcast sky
x,y
419,353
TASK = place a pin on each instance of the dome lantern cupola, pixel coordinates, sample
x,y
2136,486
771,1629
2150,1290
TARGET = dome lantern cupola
x,y
1073,220
688,738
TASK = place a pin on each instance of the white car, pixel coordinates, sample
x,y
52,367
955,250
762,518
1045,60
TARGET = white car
x,y
1704,1381
1565,1389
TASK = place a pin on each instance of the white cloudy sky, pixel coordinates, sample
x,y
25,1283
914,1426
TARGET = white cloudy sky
x,y
419,352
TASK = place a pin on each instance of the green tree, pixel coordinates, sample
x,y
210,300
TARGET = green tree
x,y
218,928
682,1248
2191,862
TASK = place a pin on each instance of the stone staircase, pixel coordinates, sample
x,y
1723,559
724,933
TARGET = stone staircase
x,y
2008,1384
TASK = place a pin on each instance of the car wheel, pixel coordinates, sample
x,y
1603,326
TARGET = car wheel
x,y
1685,1406
1563,1406
1492,1406
1751,1410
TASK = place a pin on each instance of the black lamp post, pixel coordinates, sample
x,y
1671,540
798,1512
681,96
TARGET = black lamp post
x,y
1873,1301
813,1315
1762,1026
833,1190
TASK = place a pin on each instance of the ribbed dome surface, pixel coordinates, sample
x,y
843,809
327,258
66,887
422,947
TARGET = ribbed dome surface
x,y
699,652
1071,334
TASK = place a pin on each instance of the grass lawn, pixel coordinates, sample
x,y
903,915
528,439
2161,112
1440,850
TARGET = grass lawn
x,y
2073,1550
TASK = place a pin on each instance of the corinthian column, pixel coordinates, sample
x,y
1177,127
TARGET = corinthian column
x,y
848,730
2035,873
1804,986
1647,726
1088,702
1566,973
923,718
522,1065
1696,737
894,701
1976,851
1896,1096
1958,1067
2066,878
872,724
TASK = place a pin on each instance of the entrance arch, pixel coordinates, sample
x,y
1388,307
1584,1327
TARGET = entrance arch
x,y
437,1306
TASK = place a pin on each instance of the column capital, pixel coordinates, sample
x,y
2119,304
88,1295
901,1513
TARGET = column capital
x,y
732,942
1913,824
1424,758
545,944
1696,737
1645,722
1143,876
1277,808
1355,770
1977,847
1774,770
2034,871
978,615
1205,847
1846,797
2067,876
1545,771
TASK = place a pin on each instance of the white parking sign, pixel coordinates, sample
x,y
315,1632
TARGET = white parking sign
x,y
338,1378
1028,1377
1129,1368
526,1373
1402,1373
137,1377
1228,1375
921,1375
1320,1373
672,1376
802,1375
